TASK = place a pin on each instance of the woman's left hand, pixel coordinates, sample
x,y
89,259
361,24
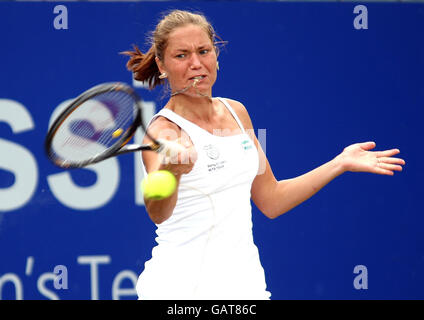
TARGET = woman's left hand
x,y
358,158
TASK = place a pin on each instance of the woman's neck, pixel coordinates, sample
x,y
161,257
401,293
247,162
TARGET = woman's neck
x,y
189,107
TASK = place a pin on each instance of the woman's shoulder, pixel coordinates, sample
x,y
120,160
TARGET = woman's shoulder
x,y
236,105
160,124
240,110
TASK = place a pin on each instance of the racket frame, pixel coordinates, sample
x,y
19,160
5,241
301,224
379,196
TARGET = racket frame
x,y
119,147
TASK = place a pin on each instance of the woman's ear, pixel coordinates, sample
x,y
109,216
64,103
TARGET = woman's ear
x,y
160,65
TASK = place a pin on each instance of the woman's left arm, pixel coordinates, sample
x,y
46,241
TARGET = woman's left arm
x,y
274,198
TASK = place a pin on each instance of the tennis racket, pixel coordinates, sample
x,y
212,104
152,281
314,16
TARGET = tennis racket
x,y
98,125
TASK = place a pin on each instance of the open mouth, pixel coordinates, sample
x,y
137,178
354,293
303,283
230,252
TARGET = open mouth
x,y
198,78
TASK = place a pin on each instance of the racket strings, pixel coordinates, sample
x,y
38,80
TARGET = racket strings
x,y
125,116
94,126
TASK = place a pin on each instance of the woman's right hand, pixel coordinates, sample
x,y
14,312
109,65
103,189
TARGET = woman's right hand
x,y
179,158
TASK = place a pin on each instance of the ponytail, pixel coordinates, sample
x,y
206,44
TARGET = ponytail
x,y
143,66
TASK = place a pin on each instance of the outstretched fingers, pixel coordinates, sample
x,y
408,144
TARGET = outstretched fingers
x,y
380,170
392,160
387,153
387,164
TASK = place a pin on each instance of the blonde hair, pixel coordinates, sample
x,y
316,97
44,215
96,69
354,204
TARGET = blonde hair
x,y
143,65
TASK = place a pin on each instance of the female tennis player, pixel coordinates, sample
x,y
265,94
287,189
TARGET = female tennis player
x,y
205,247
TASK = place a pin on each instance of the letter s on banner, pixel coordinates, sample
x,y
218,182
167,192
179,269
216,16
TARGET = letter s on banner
x,y
17,159
85,198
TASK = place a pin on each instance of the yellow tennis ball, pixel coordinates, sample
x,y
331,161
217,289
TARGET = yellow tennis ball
x,y
117,133
159,185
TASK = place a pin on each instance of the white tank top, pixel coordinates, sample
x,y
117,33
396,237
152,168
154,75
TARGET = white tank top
x,y
205,250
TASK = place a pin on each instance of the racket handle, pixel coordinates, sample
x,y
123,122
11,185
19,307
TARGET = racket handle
x,y
164,147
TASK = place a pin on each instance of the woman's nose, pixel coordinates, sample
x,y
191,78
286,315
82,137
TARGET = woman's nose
x,y
195,62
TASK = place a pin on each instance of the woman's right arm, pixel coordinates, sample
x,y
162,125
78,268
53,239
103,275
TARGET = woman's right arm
x,y
161,128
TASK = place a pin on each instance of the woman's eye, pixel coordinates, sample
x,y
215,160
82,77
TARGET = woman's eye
x,y
204,51
182,55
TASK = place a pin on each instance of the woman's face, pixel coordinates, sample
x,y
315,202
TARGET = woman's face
x,y
190,53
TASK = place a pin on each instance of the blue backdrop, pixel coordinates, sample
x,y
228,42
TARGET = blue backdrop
x,y
308,77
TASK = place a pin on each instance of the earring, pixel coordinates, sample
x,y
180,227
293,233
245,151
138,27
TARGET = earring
x,y
163,75
217,65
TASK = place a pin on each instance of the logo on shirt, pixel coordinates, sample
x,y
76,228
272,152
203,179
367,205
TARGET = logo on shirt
x,y
211,151
246,145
